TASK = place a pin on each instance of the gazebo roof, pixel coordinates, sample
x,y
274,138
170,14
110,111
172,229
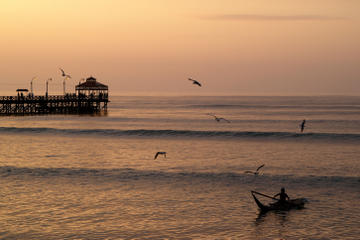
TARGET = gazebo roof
x,y
22,90
91,84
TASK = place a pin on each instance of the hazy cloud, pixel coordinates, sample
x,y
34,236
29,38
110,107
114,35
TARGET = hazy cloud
x,y
258,17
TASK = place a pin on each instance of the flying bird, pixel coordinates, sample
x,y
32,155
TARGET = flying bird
x,y
302,125
218,119
195,82
257,170
159,153
64,74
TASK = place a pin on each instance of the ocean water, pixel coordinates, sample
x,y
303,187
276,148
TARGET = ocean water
x,y
95,177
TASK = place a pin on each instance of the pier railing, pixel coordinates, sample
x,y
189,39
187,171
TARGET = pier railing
x,y
68,97
69,103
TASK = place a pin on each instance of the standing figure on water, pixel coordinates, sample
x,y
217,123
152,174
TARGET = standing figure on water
x,y
283,196
302,125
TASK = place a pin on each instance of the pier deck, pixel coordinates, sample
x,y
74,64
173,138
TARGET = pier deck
x,y
62,104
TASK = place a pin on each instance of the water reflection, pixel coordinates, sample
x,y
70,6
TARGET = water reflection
x,y
280,216
260,217
272,224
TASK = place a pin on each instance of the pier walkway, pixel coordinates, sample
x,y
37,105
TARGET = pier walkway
x,y
69,103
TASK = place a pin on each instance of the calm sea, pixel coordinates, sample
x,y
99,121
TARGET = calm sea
x,y
95,177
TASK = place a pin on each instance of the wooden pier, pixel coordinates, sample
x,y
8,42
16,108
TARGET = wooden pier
x,y
68,104
91,97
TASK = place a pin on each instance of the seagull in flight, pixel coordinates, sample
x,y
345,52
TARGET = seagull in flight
x,y
195,82
218,119
257,170
302,125
64,74
159,153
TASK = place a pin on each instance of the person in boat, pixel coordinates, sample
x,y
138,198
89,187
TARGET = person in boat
x,y
284,198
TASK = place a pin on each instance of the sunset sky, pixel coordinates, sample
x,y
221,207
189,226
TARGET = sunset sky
x,y
239,47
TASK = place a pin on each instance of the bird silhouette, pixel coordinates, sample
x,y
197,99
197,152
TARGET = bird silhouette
x,y
195,82
159,153
257,170
64,74
302,125
218,119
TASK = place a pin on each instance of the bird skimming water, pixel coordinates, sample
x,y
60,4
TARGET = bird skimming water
x,y
159,153
218,119
302,125
257,170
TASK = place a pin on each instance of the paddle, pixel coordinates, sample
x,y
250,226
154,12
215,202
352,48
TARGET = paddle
x,y
265,195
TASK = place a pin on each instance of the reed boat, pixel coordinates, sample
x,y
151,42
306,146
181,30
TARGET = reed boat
x,y
297,203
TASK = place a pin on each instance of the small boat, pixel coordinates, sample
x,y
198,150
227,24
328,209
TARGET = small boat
x,y
285,206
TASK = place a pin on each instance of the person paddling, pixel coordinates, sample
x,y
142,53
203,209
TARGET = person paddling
x,y
283,196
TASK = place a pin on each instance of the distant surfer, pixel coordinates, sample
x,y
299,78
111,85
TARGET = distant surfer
x,y
283,196
302,125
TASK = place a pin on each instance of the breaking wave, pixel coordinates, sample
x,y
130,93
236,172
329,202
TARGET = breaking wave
x,y
182,133
186,134
259,106
130,174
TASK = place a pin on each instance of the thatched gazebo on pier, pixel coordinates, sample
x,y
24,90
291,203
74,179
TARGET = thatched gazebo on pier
x,y
91,87
91,97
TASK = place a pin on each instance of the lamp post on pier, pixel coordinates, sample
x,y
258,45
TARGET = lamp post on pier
x,y
64,88
47,86
31,86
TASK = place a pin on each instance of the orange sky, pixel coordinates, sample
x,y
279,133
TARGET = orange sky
x,y
153,46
